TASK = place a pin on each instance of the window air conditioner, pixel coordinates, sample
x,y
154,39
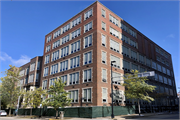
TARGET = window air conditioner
x,y
104,80
103,28
118,51
103,44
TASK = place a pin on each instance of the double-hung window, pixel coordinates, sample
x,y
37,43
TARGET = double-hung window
x,y
88,14
76,21
104,94
165,80
88,58
103,57
103,40
75,46
55,55
117,63
76,33
141,59
64,79
48,39
74,62
103,26
65,39
46,59
160,78
88,27
114,45
134,67
32,67
159,67
116,79
103,12
57,33
65,51
168,72
104,75
66,28
133,55
113,20
125,39
48,48
125,51
31,78
126,65
114,32
87,95
44,85
87,75
74,78
52,82
74,96
148,62
46,71
88,41
54,69
64,65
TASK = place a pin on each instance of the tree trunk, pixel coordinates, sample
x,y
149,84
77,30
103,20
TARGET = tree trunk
x,y
139,107
10,111
56,114
31,112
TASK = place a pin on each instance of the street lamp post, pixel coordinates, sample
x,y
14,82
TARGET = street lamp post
x,y
112,115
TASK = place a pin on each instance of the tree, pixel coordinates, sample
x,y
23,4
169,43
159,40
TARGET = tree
x,y
10,85
137,88
32,99
58,96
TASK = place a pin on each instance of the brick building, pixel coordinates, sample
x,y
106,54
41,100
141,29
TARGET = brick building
x,y
81,49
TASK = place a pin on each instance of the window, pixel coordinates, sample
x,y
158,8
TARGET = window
x,y
87,95
54,69
133,43
75,46
169,81
21,82
103,26
165,80
104,75
51,82
104,57
103,40
117,79
157,49
126,65
113,20
88,14
141,59
158,58
87,58
65,51
73,95
55,55
167,90
153,65
125,39
117,63
64,79
125,51
166,55
167,63
31,78
57,33
48,48
66,28
124,27
37,77
64,65
44,84
103,12
161,52
32,67
38,65
46,71
48,39
26,82
74,78
27,71
21,73
88,27
104,94
161,89
134,55
76,21
75,62
142,69
156,77
168,72
76,33
159,67
87,41
117,96
114,32
114,45
148,62
131,32
65,39
46,59
160,78
164,70
134,67
171,92
87,75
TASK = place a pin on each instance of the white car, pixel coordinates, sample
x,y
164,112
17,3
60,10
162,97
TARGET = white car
x,y
3,113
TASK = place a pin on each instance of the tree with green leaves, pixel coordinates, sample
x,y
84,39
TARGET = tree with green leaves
x,y
32,99
59,97
137,88
11,88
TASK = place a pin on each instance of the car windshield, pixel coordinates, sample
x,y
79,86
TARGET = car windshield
x,y
2,110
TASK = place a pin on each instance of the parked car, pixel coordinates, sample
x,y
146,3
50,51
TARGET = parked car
x,y
3,113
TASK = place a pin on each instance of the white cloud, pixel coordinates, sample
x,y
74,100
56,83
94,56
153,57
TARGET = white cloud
x,y
171,36
19,62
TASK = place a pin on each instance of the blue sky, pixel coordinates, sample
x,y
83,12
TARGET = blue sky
x,y
25,24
